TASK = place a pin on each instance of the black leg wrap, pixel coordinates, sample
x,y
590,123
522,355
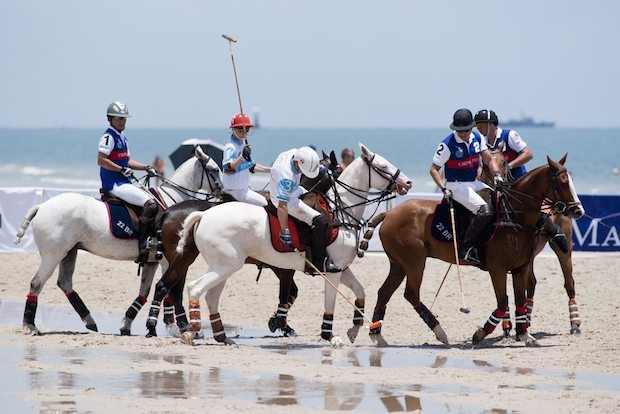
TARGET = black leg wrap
x,y
326,327
426,315
30,309
278,320
378,315
151,321
78,304
168,311
358,319
181,318
135,307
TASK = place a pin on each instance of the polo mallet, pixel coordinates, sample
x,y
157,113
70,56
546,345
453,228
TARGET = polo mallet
x,y
371,324
232,40
464,309
440,286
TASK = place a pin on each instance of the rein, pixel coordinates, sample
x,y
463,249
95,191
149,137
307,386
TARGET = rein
x,y
193,194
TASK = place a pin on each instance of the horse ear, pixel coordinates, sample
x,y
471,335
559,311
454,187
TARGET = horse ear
x,y
554,165
365,151
563,160
333,160
198,152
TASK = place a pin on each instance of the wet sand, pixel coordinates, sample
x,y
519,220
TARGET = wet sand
x,y
68,369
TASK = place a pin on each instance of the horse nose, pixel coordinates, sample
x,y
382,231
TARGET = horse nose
x,y
577,211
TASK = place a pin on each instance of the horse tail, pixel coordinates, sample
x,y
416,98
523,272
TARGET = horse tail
x,y
372,224
188,228
25,223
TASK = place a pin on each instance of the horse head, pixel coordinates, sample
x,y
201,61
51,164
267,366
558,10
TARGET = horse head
x,y
382,175
200,173
566,200
551,185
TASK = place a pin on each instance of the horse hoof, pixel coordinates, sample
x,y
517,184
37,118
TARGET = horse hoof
x,y
352,333
125,332
378,340
93,327
478,336
288,331
173,330
228,341
151,333
30,329
188,337
575,330
272,324
440,334
529,340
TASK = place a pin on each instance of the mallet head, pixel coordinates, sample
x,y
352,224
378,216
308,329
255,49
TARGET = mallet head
x,y
465,310
229,38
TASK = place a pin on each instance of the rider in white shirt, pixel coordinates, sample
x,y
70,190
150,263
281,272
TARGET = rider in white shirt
x,y
284,190
238,164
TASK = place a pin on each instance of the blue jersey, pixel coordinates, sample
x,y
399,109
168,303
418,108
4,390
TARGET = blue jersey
x,y
114,145
459,158
510,153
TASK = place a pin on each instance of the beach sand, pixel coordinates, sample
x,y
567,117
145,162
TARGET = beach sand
x,y
68,370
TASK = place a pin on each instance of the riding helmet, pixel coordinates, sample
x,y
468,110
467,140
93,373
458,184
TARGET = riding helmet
x,y
118,109
486,115
462,120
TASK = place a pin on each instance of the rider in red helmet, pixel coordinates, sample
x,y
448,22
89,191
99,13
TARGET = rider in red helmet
x,y
238,164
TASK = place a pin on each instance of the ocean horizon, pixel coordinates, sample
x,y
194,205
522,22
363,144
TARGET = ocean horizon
x,y
67,157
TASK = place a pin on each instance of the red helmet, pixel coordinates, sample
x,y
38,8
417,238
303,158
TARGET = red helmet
x,y
241,120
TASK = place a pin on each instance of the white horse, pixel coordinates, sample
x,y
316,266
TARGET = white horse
x,y
227,234
70,222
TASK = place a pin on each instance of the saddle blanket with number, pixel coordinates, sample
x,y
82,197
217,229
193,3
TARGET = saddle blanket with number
x,y
121,225
441,224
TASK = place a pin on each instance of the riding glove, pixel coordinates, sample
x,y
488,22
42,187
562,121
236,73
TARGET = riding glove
x,y
447,193
498,179
247,151
127,172
285,236
152,172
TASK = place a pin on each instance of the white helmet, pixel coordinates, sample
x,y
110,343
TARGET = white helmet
x,y
308,161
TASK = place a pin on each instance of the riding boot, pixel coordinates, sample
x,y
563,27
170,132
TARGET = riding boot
x,y
555,231
145,227
319,249
476,226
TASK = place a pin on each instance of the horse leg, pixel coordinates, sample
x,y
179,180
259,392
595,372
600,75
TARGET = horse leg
x,y
46,268
65,283
414,270
330,305
349,280
279,318
217,326
498,278
148,273
566,263
519,281
214,276
392,282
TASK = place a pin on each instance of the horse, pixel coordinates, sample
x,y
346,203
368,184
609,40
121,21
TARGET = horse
x,y
169,289
226,235
70,222
406,238
562,220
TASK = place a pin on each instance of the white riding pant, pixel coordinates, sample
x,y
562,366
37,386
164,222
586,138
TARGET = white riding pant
x,y
299,209
465,193
131,194
248,196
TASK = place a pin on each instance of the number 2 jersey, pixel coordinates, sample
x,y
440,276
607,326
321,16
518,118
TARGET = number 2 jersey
x,y
459,158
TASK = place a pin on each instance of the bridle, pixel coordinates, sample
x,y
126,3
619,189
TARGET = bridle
x,y
206,171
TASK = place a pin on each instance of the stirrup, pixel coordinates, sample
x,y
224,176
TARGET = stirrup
x,y
329,266
471,255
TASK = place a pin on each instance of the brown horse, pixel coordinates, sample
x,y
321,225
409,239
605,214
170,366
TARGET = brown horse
x,y
562,220
406,238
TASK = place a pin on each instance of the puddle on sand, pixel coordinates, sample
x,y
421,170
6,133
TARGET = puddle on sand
x,y
266,388
399,357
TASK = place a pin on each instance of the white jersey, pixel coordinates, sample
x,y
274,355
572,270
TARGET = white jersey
x,y
284,179
240,178
514,141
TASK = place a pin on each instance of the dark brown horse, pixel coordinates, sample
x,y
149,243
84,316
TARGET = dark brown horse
x,y
562,220
406,238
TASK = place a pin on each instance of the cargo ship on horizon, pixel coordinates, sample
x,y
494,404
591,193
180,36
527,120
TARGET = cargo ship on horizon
x,y
526,122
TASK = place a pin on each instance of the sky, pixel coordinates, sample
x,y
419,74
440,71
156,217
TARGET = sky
x,y
302,63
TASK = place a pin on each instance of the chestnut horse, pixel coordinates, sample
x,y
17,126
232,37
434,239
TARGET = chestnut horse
x,y
406,238
565,258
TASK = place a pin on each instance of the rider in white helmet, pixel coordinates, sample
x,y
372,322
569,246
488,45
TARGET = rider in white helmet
x,y
117,170
284,190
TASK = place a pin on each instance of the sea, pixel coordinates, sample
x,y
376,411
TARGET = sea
x,y
66,158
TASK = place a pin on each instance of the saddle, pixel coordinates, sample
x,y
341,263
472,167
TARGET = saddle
x,y
123,217
441,224
300,231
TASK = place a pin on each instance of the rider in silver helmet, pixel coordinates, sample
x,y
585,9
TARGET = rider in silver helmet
x,y
116,172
